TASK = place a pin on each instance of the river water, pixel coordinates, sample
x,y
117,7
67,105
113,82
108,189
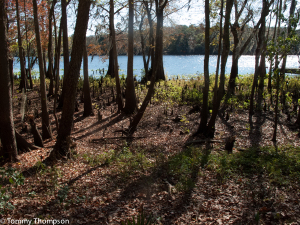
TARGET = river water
x,y
183,66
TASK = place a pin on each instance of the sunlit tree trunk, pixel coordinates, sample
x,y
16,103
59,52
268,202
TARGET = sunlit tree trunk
x,y
130,98
46,128
7,131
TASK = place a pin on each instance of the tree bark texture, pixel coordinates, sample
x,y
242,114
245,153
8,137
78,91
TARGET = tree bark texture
x,y
21,56
111,66
226,49
46,128
65,127
88,109
7,130
158,60
65,47
115,58
130,98
50,52
204,110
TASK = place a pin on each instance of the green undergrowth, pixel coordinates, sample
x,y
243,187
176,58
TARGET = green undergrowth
x,y
188,90
282,166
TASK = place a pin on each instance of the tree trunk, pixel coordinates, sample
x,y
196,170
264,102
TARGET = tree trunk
x,y
50,53
258,70
277,77
46,128
262,66
21,56
145,61
88,109
7,131
204,112
226,49
137,118
38,141
158,61
111,66
28,71
23,145
57,59
130,98
234,66
115,57
151,38
63,139
238,51
11,74
65,47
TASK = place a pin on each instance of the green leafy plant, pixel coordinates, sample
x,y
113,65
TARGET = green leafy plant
x,y
63,193
9,177
184,167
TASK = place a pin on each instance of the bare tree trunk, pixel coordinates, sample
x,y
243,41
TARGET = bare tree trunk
x,y
115,57
277,77
65,48
111,67
204,112
137,118
23,145
151,38
88,109
46,128
28,49
7,130
50,53
57,59
158,61
130,99
21,56
226,49
62,145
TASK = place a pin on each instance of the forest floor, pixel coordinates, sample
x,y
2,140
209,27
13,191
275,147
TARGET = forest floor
x,y
162,172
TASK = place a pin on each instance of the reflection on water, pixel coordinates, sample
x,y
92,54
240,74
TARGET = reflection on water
x,y
175,65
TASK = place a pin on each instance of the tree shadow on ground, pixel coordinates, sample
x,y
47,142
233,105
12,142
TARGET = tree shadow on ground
x,y
157,181
117,119
255,128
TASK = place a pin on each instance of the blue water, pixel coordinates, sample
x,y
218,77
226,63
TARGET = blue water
x,y
173,65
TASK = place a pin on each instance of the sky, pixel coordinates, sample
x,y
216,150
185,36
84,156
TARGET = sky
x,y
195,15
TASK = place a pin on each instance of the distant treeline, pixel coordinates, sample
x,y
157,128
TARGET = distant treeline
x,y
178,40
